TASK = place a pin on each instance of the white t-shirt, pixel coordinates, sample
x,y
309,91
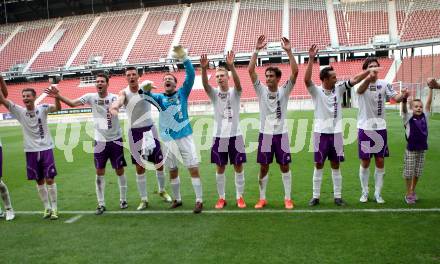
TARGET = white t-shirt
x,y
273,107
138,110
226,112
328,107
34,123
371,115
106,126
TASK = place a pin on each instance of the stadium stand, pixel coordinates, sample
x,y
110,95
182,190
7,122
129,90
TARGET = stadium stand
x,y
358,22
256,18
25,43
110,37
412,16
151,46
207,27
308,24
74,29
418,69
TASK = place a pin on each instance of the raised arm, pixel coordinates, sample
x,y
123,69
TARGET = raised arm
x,y
55,93
253,62
432,84
3,87
3,100
190,75
287,46
308,75
204,63
364,85
230,62
361,76
114,109
403,104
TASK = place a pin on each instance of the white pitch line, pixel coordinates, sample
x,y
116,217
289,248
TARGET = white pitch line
x,y
265,211
73,219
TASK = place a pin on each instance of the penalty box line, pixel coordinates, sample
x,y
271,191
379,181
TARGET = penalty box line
x,y
253,211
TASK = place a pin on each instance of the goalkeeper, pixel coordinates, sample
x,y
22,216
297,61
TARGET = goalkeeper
x,y
175,128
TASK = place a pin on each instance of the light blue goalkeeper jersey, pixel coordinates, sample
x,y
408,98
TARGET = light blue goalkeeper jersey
x,y
173,109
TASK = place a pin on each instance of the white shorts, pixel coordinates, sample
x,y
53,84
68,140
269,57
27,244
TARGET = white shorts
x,y
182,149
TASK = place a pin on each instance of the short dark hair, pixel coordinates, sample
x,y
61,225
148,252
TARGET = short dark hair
x,y
368,61
131,68
102,75
32,90
170,74
325,73
276,70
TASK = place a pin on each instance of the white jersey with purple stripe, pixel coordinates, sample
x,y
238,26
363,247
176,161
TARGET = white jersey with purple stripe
x,y
106,126
138,110
328,107
273,107
226,112
35,130
371,115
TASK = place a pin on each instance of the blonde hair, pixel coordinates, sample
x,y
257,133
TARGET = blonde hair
x,y
222,69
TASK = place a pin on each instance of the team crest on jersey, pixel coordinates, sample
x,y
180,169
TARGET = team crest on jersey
x,y
379,87
223,96
271,97
30,114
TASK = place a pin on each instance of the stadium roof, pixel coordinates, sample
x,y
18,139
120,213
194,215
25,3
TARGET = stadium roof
x,y
27,10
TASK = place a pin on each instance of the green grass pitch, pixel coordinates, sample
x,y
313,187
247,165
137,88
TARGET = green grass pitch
x,y
246,237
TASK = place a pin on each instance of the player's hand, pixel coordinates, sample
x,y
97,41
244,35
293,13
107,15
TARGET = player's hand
x,y
179,53
313,50
147,86
285,44
432,83
405,93
204,62
52,91
230,58
260,42
113,112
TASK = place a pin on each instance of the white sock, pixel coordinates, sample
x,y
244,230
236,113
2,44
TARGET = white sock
x,y
122,180
141,181
364,174
262,185
100,188
42,192
378,180
337,183
220,185
239,183
175,186
52,190
5,195
317,180
160,180
287,182
197,185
